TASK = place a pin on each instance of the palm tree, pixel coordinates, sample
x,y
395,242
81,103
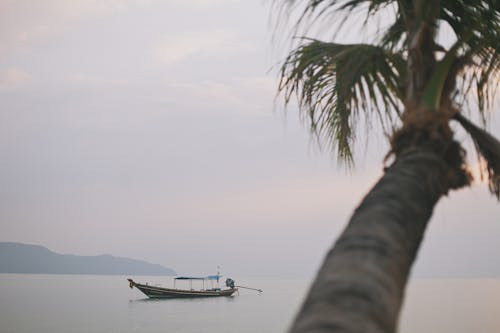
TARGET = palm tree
x,y
414,87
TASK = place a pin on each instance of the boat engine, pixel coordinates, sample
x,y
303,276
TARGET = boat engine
x,y
230,283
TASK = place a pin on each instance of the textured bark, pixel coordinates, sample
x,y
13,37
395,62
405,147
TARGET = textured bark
x,y
360,285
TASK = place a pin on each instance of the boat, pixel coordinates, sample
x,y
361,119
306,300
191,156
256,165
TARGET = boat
x,y
160,292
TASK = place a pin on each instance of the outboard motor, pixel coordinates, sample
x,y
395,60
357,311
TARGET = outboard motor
x,y
230,283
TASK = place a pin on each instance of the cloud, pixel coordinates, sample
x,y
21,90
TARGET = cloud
x,y
263,85
94,80
24,22
200,4
207,91
253,94
13,78
216,43
287,199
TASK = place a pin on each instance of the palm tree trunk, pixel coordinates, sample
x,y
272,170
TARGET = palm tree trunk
x,y
360,285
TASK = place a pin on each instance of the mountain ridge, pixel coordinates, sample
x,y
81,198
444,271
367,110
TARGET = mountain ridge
x,y
23,258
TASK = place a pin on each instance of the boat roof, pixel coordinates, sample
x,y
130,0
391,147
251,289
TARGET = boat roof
x,y
210,277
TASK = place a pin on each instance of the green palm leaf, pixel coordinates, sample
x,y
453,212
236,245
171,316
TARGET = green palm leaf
x,y
477,25
334,83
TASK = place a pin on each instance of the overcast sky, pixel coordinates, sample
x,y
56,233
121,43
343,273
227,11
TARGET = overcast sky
x,y
147,129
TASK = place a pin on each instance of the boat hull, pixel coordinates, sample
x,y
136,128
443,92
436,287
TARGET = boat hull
x,y
159,292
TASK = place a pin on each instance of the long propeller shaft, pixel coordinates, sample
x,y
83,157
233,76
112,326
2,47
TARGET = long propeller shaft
x,y
259,290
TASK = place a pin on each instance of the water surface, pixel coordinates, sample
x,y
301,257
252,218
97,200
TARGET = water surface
x,y
90,303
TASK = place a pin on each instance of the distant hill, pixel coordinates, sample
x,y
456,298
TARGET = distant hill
x,y
35,259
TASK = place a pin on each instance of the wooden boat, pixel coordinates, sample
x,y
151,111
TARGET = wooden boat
x,y
160,292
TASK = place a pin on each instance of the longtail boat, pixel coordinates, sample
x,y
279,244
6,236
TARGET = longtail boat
x,y
160,292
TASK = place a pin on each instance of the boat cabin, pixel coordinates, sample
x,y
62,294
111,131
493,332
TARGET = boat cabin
x,y
212,281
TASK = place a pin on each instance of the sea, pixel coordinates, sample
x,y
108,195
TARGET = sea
x,y
92,303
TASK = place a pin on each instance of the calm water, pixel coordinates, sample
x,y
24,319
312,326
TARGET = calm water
x,y
72,303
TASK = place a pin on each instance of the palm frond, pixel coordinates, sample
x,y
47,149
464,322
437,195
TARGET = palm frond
x,y
396,34
435,87
319,7
481,71
488,148
477,25
335,82
332,10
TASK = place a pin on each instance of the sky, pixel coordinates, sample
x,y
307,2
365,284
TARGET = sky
x,y
150,129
